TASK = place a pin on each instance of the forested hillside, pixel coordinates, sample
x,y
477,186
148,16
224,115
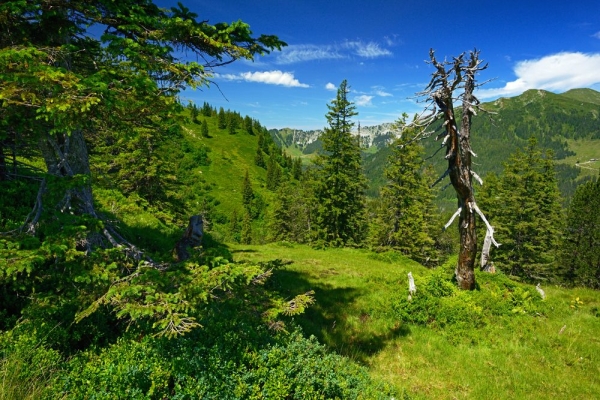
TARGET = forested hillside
x,y
567,123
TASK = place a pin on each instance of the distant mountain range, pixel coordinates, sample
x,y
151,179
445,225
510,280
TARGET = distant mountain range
x,y
559,121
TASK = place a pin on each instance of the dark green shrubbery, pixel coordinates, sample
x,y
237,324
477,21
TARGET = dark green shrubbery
x,y
218,363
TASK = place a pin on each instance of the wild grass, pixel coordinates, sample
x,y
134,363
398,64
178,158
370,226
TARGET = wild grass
x,y
585,151
512,345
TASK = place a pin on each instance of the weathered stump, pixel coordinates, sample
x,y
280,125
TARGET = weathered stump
x,y
191,238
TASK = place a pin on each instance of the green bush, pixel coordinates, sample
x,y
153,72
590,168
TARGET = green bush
x,y
217,364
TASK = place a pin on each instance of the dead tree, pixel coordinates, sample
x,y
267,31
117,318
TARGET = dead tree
x,y
450,78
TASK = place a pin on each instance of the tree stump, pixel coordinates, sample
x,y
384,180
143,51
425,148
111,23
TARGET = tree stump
x,y
191,238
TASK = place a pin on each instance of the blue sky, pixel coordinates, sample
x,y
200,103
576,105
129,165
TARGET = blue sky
x,y
380,48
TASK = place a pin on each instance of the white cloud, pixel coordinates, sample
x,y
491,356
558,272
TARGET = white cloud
x,y
330,86
596,35
367,50
363,100
311,52
306,52
380,92
269,77
557,72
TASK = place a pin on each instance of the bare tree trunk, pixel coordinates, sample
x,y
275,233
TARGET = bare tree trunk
x,y
448,78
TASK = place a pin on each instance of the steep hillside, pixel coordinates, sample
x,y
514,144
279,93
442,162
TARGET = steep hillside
x,y
568,123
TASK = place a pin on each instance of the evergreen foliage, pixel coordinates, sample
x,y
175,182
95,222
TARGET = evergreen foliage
x,y
404,217
580,250
204,129
274,173
340,182
524,207
247,192
291,213
222,119
246,228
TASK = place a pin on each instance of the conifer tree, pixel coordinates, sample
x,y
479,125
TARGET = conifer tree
x,y
204,129
273,174
248,125
246,229
524,206
247,192
580,250
259,158
403,219
222,119
290,217
234,226
207,110
297,168
194,112
232,124
341,182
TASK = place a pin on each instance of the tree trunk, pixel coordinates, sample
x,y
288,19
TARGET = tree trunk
x,y
66,156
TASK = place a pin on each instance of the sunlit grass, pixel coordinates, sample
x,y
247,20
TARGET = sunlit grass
x,y
553,354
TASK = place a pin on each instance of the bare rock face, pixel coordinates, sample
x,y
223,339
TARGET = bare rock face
x,y
191,238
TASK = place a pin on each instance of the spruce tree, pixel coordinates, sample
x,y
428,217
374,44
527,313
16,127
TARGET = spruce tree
x,y
524,206
222,119
341,182
204,129
246,229
291,214
273,174
259,159
580,250
403,219
247,192
248,125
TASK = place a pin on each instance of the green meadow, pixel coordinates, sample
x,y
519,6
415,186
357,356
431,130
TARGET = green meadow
x,y
508,344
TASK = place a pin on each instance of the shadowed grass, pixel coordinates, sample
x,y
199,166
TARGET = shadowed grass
x,y
521,348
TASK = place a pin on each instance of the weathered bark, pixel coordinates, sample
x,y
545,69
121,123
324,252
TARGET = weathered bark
x,y
459,75
191,238
66,156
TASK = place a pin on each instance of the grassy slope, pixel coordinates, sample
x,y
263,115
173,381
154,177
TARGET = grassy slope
x,y
553,355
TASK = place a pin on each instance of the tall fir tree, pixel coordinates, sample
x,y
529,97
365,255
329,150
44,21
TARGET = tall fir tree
x,y
273,173
247,192
291,215
222,119
246,229
259,159
524,206
404,218
580,249
204,129
248,125
341,183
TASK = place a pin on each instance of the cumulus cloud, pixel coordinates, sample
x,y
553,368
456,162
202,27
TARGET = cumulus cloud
x,y
330,86
596,35
306,52
363,100
269,77
557,72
